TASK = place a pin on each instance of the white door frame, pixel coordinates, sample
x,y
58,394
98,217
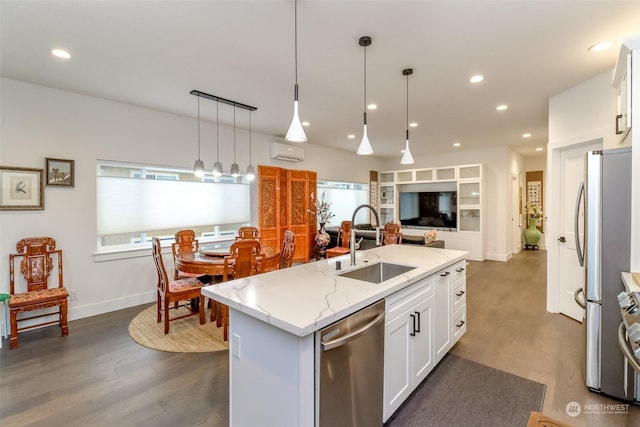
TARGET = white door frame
x,y
552,203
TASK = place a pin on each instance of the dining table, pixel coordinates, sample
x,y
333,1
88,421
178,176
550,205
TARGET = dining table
x,y
210,259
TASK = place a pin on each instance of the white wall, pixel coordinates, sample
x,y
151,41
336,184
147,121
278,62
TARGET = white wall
x,y
38,122
581,114
497,177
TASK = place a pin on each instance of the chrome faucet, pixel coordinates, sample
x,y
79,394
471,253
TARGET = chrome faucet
x,y
353,230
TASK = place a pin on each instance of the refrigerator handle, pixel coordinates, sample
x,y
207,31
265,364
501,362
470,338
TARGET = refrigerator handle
x,y
576,224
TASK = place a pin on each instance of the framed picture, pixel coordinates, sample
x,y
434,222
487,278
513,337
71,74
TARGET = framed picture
x,y
21,188
59,172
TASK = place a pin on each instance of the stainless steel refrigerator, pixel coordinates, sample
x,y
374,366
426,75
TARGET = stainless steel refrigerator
x,y
605,254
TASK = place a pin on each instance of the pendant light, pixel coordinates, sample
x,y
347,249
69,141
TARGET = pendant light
x,y
251,171
365,146
235,169
407,158
217,167
198,166
296,132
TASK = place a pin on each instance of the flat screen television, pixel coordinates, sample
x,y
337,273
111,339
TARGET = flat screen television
x,y
437,209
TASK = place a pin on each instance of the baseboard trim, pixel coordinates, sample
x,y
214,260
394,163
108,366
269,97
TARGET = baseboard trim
x,y
110,305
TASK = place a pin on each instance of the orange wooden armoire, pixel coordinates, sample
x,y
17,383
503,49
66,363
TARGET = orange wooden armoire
x,y
285,203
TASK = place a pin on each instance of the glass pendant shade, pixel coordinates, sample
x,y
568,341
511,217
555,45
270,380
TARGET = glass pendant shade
x,y
198,168
296,132
235,170
251,173
407,158
217,169
365,146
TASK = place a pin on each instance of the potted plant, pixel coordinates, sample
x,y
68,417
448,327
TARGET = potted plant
x,y
324,214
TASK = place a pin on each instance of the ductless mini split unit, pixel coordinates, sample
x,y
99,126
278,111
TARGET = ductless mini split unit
x,y
290,153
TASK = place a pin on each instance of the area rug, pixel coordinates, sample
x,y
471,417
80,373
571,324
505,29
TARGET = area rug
x,y
460,392
185,335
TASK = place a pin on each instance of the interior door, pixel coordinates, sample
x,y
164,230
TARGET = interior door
x,y
571,274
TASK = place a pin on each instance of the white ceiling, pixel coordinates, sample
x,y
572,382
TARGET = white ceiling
x,y
153,53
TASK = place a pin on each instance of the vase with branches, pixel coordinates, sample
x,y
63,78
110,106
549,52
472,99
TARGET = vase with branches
x,y
324,214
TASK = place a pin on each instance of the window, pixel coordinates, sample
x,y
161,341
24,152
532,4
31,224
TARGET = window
x,y
138,202
345,197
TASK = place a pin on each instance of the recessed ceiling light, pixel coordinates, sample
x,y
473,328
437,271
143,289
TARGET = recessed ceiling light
x,y
61,53
413,125
351,136
526,135
598,47
501,107
477,78
456,144
372,106
539,149
305,123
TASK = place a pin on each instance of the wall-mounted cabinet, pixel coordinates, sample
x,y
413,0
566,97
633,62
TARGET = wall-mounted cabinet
x,y
622,82
468,182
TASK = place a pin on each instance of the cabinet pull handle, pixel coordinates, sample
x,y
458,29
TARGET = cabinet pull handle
x,y
445,274
618,131
459,294
413,319
459,270
459,325
418,315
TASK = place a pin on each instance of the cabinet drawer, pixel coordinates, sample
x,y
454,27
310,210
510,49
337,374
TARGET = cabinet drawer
x,y
459,326
401,301
458,294
458,270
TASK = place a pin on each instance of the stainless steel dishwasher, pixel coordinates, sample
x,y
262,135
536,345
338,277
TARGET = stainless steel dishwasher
x,y
350,355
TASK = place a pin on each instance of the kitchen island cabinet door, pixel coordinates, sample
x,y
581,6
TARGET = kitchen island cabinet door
x,y
442,311
409,355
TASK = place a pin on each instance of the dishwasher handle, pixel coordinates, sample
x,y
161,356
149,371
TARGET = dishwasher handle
x,y
353,335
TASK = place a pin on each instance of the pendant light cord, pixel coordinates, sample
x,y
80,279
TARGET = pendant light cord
x,y
234,134
365,85
198,127
249,137
295,33
217,132
407,107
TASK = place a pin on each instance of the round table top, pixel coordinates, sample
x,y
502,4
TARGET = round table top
x,y
216,249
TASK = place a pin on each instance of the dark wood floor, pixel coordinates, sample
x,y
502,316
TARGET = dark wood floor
x,y
97,376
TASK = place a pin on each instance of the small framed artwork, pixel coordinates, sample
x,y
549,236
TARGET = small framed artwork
x,y
59,172
21,188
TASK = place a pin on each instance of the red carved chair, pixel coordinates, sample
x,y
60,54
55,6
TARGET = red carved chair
x,y
175,291
185,242
288,248
344,235
247,232
36,256
391,234
244,260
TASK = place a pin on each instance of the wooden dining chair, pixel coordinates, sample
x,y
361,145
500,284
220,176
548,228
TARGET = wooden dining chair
x,y
36,256
247,232
175,291
288,248
244,260
391,234
344,235
185,242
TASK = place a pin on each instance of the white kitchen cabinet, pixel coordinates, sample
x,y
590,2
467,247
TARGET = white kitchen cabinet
x,y
408,343
622,83
450,292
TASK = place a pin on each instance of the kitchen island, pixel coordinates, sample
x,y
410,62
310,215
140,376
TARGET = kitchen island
x,y
274,317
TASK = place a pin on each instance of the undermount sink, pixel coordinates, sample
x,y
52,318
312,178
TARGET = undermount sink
x,y
377,273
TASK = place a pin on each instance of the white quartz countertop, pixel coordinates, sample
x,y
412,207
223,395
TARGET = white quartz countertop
x,y
305,298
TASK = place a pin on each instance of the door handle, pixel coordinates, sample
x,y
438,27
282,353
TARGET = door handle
x,y
445,274
618,131
459,294
562,239
418,315
580,301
